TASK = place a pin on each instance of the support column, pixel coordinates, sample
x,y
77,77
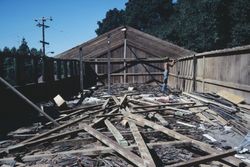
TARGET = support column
x,y
81,69
109,66
203,74
125,63
194,72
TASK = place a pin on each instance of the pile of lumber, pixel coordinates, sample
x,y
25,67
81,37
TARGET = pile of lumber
x,y
129,129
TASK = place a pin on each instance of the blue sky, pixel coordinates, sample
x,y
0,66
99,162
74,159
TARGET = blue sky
x,y
74,21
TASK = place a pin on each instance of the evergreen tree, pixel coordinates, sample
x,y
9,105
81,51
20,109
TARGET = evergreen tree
x,y
13,51
23,48
114,18
6,51
35,52
240,16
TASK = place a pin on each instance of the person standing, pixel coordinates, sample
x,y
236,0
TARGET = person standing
x,y
167,66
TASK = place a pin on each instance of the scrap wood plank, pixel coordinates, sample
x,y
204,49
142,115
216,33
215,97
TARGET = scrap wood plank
x,y
115,100
165,108
200,115
80,112
209,101
118,136
45,139
160,118
123,100
204,159
163,105
217,116
105,103
203,146
96,122
80,108
143,149
49,138
230,97
55,129
91,151
114,145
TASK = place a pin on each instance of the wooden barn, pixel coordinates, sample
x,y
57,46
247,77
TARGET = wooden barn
x,y
137,57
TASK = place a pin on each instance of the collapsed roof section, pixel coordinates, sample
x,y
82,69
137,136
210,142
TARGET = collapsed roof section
x,y
135,38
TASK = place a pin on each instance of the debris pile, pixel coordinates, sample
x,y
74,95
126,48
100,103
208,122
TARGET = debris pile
x,y
136,126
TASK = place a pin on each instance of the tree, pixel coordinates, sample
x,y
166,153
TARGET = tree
x,y
6,51
240,16
35,52
13,51
148,15
199,25
114,18
23,48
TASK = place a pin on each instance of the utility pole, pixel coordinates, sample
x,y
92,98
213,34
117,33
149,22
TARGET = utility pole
x,y
41,23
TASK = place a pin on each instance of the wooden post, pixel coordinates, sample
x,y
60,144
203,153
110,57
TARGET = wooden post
x,y
177,73
59,71
1,65
19,70
35,69
125,56
81,69
194,72
71,66
43,68
96,67
203,74
109,66
48,69
51,70
65,67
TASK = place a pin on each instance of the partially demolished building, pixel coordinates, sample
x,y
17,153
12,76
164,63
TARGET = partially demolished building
x,y
204,120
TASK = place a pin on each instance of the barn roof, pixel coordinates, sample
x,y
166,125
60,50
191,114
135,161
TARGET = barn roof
x,y
135,38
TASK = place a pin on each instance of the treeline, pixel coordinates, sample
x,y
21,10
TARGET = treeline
x,y
198,25
23,49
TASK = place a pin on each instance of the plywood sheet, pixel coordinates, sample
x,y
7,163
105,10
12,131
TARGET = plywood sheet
x,y
231,97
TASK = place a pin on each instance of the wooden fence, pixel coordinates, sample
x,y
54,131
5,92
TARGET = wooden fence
x,y
227,69
23,70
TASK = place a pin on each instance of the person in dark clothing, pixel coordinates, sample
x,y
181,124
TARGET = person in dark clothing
x,y
167,66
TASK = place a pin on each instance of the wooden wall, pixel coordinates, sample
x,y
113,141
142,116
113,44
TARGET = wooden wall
x,y
135,74
227,69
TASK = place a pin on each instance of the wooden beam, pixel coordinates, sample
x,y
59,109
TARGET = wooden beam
x,y
203,146
55,129
209,101
204,159
118,136
96,122
105,103
159,105
143,149
91,151
30,103
107,141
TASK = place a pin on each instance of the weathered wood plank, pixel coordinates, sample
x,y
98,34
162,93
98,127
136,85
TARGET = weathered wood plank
x,y
91,151
107,141
203,146
118,136
204,159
